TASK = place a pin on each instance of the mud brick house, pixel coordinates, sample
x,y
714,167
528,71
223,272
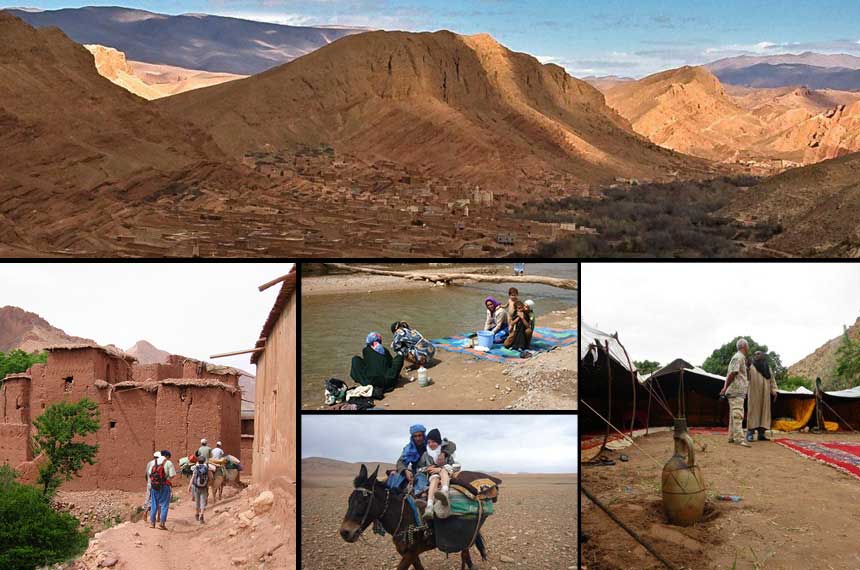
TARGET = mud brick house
x,y
142,408
275,406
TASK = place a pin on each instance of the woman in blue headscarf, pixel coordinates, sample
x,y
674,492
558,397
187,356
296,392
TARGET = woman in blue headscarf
x,y
408,461
376,367
497,320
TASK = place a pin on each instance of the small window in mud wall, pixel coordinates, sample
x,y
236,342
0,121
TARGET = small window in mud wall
x,y
112,424
67,383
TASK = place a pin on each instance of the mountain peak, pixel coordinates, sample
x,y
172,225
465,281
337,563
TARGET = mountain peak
x,y
21,329
147,353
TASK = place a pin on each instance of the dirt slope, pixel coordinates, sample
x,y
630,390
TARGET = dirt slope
x,y
817,206
29,332
462,105
822,362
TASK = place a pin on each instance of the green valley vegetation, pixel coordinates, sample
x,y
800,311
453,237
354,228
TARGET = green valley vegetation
x,y
718,361
847,364
56,430
646,366
32,534
19,361
672,219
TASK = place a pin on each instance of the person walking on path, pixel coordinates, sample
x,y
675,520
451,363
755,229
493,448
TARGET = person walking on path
x,y
218,451
147,505
735,389
199,487
159,478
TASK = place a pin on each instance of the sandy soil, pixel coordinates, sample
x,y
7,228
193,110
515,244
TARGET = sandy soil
x,y
231,538
795,513
533,527
358,283
546,381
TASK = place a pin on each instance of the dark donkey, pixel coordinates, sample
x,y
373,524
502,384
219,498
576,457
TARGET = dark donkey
x,y
372,500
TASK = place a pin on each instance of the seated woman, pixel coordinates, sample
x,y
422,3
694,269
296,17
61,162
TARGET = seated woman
x,y
497,320
521,328
376,367
411,344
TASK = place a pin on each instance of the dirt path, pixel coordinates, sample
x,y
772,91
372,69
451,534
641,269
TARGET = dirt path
x,y
795,513
224,541
533,527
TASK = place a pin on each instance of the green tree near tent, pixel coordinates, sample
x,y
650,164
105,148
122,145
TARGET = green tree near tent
x,y
56,430
847,364
718,361
646,366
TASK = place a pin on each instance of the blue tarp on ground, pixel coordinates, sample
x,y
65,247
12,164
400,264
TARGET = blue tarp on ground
x,y
543,339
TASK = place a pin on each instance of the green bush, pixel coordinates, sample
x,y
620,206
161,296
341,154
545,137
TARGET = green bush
x,y
718,361
56,432
19,361
792,383
32,534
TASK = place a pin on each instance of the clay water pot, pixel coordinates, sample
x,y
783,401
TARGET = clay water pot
x,y
683,483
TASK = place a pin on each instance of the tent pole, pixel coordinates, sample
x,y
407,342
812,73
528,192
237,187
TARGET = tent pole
x,y
633,381
648,417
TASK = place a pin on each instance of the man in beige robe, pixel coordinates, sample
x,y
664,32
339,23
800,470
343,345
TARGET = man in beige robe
x,y
762,390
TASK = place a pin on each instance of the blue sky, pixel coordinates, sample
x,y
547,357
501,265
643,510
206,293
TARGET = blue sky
x,y
608,37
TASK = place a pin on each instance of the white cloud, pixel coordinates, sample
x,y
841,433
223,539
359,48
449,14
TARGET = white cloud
x,y
520,443
668,311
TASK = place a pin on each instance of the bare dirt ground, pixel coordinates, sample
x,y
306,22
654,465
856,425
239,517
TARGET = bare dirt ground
x,y
533,527
233,537
546,381
795,513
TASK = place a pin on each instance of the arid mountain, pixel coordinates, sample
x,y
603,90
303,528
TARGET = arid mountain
x,y
822,362
464,106
817,206
29,332
152,81
146,353
687,110
788,74
77,150
192,41
805,58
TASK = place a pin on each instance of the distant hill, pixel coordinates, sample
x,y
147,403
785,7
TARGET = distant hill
x,y
604,82
805,58
146,353
461,106
193,41
673,108
20,329
322,466
822,362
789,74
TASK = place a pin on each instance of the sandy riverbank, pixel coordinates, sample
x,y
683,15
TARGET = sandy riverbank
x,y
362,283
547,381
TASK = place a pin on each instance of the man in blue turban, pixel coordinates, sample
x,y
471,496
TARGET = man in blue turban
x,y
408,462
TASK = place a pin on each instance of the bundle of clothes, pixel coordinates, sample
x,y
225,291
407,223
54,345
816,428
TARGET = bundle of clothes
x,y
339,396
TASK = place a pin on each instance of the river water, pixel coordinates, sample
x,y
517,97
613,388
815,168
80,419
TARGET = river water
x,y
334,326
